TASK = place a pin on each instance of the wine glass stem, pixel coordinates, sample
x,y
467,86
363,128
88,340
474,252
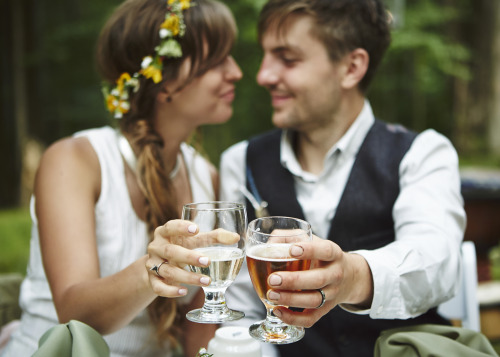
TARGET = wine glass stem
x,y
272,323
215,301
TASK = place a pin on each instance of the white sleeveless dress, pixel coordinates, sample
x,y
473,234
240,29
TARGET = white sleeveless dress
x,y
122,239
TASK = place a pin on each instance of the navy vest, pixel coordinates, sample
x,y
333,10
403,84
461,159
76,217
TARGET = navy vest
x,y
363,221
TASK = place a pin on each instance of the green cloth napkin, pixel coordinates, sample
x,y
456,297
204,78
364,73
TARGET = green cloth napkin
x,y
432,340
74,339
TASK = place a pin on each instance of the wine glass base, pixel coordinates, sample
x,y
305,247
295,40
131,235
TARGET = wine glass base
x,y
284,335
203,317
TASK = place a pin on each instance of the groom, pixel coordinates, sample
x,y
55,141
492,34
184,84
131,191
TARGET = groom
x,y
387,200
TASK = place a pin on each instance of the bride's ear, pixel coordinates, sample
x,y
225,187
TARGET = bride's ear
x,y
356,63
164,95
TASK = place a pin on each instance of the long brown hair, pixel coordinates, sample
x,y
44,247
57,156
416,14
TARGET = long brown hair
x,y
130,34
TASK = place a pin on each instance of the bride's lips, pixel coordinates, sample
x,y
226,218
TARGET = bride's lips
x,y
228,95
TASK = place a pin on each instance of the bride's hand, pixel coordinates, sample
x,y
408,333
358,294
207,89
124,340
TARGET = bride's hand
x,y
169,254
172,250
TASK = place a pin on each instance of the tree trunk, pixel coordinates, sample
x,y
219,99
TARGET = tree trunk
x,y
13,102
476,102
494,98
19,85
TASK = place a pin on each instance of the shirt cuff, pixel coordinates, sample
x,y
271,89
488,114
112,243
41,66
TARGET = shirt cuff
x,y
354,309
387,301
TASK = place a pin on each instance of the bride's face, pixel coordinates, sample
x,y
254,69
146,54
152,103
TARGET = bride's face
x,y
208,98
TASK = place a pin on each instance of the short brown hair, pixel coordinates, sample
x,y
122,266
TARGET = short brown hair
x,y
341,25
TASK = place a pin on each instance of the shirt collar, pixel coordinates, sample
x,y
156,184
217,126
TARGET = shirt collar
x,y
351,141
348,145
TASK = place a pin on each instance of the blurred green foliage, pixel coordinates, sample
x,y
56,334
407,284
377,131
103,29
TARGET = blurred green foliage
x,y
494,257
412,86
14,239
64,91
432,58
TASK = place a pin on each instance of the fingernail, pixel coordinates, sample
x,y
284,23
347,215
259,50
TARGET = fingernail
x,y
182,291
296,250
275,280
203,260
192,228
277,313
205,280
273,295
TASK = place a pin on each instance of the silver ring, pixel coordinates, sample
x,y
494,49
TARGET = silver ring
x,y
323,298
156,268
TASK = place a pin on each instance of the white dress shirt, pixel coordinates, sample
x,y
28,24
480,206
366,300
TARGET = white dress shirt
x,y
420,269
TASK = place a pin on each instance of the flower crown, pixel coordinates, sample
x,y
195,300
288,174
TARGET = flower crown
x,y
117,98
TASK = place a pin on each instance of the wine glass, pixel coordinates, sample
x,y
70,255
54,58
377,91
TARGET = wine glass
x,y
222,228
268,250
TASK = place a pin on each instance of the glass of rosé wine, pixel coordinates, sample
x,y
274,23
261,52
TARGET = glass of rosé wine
x,y
269,240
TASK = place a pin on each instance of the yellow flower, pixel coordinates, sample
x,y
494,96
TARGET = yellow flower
x,y
153,73
120,83
111,102
185,4
172,24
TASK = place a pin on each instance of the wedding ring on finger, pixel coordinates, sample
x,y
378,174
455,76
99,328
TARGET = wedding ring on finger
x,y
156,268
323,298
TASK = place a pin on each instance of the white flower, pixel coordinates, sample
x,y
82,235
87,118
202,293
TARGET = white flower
x,y
134,83
146,61
164,33
118,114
125,106
115,92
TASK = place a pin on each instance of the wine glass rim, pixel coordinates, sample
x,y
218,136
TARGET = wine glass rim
x,y
250,225
213,206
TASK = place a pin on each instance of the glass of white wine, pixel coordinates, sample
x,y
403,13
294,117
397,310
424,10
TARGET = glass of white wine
x,y
222,228
269,240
